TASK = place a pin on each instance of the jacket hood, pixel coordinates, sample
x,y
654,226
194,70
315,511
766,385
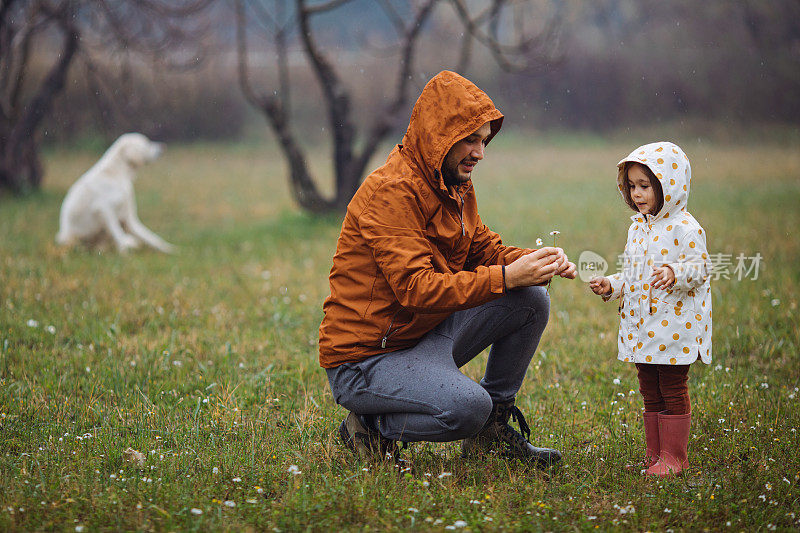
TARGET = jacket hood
x,y
450,108
671,167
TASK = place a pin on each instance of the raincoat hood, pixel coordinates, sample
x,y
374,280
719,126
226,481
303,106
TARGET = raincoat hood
x,y
671,166
449,109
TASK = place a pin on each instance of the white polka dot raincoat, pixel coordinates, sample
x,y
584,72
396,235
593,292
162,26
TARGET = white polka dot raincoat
x,y
658,326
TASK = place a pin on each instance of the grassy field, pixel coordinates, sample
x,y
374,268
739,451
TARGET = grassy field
x,y
205,361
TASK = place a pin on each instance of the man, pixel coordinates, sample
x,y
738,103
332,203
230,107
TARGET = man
x,y
420,286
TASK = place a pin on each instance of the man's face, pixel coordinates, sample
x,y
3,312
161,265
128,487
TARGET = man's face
x,y
464,155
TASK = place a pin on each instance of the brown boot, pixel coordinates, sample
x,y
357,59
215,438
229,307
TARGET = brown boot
x,y
358,435
497,435
673,432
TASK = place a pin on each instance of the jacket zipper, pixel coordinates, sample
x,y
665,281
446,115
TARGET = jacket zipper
x,y
461,215
389,331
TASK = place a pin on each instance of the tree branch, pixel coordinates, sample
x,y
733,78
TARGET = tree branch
x,y
336,97
387,120
325,6
242,56
504,53
275,108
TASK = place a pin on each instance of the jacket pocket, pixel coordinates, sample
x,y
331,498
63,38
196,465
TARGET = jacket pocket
x,y
678,308
624,340
400,319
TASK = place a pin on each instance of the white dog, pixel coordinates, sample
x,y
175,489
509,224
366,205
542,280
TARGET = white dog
x,y
101,203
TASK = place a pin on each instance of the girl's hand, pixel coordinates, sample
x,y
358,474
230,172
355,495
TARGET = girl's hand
x,y
663,277
600,286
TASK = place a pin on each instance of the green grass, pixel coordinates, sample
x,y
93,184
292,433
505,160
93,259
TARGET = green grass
x,y
206,361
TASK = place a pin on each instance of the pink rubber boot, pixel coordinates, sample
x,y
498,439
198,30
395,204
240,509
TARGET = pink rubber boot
x,y
673,433
652,445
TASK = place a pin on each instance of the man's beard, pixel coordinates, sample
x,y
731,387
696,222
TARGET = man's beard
x,y
452,178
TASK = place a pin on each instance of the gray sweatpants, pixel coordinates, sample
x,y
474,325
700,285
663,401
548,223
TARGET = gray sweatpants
x,y
419,393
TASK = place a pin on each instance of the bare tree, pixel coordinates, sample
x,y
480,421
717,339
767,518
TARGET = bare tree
x,y
500,26
71,28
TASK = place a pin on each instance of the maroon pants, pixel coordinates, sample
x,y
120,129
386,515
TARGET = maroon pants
x,y
664,388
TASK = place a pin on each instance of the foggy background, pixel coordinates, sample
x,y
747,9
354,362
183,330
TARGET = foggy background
x,y
718,68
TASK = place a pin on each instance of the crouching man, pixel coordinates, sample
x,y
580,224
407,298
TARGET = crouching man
x,y
420,286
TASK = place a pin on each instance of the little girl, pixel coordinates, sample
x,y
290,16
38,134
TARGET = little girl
x,y
665,297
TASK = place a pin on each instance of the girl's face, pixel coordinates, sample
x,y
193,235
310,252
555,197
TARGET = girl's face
x,y
642,192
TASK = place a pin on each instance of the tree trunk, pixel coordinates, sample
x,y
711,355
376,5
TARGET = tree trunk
x,y
20,168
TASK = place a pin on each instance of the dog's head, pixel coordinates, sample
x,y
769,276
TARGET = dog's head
x,y
136,149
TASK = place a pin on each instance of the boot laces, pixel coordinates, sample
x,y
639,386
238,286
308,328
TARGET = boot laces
x,y
519,418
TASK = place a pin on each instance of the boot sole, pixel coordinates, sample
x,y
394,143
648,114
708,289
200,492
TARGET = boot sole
x,y
543,463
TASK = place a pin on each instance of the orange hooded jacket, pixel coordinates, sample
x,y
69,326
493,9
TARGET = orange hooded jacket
x,y
411,253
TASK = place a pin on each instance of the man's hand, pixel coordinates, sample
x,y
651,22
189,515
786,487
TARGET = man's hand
x,y
663,277
536,268
568,270
600,286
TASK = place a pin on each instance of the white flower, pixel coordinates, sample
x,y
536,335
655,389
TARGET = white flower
x,y
765,385
80,528
51,330
616,381
444,474
539,242
413,509
215,470
237,479
134,457
259,490
229,503
196,511
555,232
591,517
294,470
768,486
775,302
34,324
721,420
460,523
475,502
667,510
